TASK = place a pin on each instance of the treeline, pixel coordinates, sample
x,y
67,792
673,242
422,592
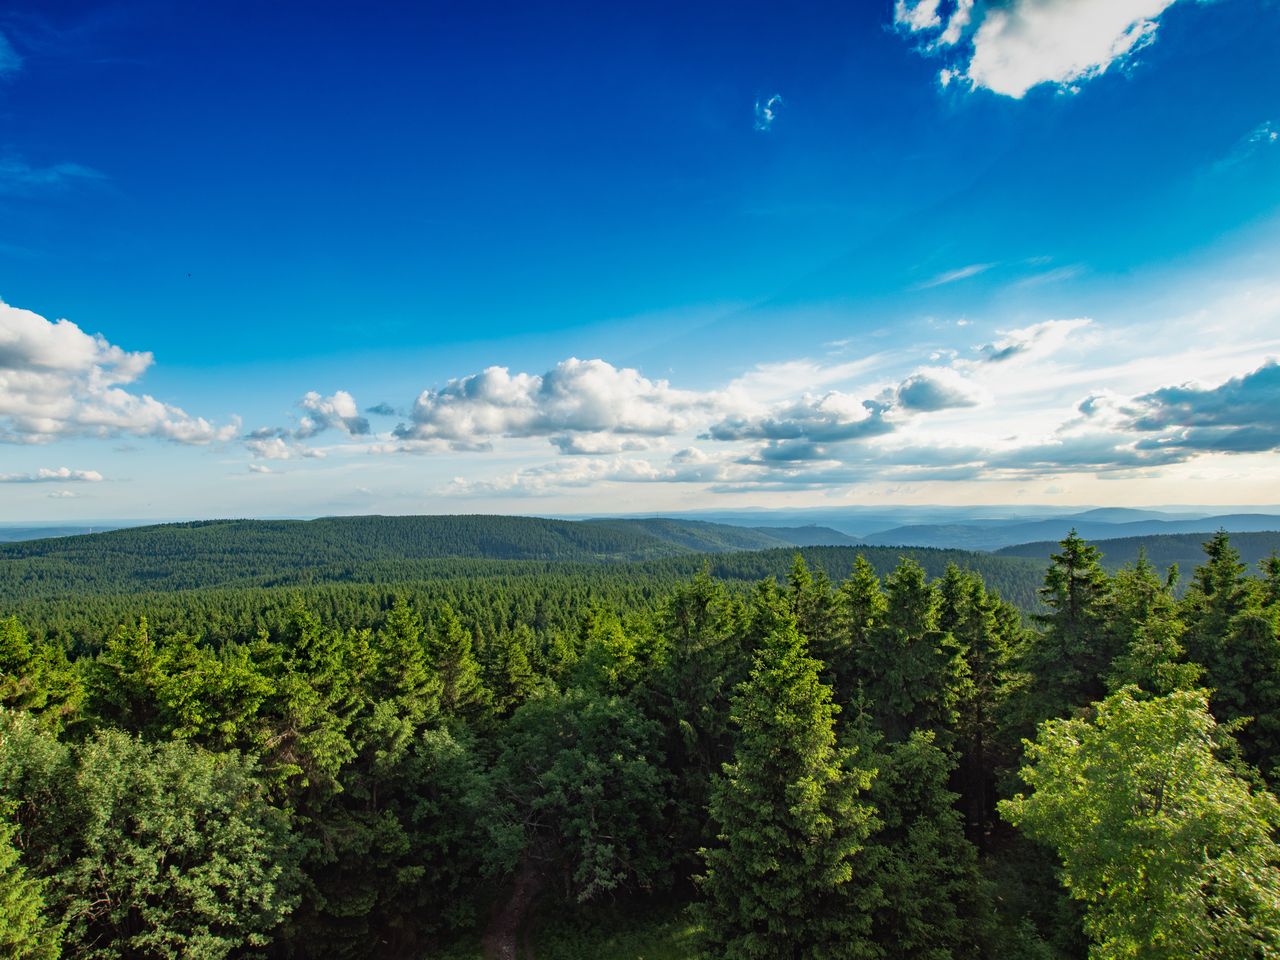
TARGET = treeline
x,y
237,554
489,594
822,768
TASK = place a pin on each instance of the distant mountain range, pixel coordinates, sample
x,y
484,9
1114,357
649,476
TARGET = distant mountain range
x,y
1092,525
1163,550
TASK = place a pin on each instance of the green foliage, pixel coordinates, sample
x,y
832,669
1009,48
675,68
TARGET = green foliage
x,y
927,872
36,677
1172,853
26,933
162,851
585,791
913,674
1074,649
782,881
409,747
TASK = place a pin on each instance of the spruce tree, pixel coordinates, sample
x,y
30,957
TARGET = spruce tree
x,y
1069,659
783,881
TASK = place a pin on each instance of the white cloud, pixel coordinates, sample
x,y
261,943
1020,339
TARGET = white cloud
x,y
1015,45
63,495
767,111
1038,340
47,475
576,396
916,16
546,478
268,447
338,411
932,389
260,468
951,276
58,381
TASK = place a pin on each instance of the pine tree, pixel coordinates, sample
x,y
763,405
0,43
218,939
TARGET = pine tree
x,y
782,883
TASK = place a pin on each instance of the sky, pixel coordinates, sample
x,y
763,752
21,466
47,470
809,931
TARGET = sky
x,y
306,259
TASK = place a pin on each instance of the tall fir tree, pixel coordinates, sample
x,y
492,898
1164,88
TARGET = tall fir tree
x,y
783,881
1070,656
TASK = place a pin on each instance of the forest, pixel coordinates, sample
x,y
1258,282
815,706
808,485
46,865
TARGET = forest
x,y
796,754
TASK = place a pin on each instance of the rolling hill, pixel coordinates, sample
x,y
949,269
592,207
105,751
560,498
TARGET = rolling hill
x,y
234,554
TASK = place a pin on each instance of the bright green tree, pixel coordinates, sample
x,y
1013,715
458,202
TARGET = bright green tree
x,y
152,850
1171,852
26,933
783,882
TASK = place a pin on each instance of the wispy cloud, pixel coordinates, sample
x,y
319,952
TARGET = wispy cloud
x,y
10,62
47,475
767,111
1264,136
17,176
951,276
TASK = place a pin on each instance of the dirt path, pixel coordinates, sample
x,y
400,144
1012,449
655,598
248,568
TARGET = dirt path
x,y
501,941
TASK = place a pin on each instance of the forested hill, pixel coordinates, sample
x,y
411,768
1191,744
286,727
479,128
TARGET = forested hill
x,y
1184,549
427,537
385,550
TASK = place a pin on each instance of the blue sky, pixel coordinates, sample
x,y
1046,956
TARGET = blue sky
x,y
304,259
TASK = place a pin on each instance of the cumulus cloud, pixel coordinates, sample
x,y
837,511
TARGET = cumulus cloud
x,y
266,445
831,417
916,16
47,475
382,410
338,411
320,413
594,444
574,397
1241,415
767,111
1011,46
58,381
934,389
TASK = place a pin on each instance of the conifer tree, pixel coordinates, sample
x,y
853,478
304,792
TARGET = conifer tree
x,y
860,610
932,905
913,673
1070,657
783,881
449,652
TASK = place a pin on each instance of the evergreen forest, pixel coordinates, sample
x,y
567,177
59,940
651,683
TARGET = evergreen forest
x,y
811,753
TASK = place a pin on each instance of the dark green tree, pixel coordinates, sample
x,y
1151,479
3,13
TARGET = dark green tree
x,y
784,880
1070,656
